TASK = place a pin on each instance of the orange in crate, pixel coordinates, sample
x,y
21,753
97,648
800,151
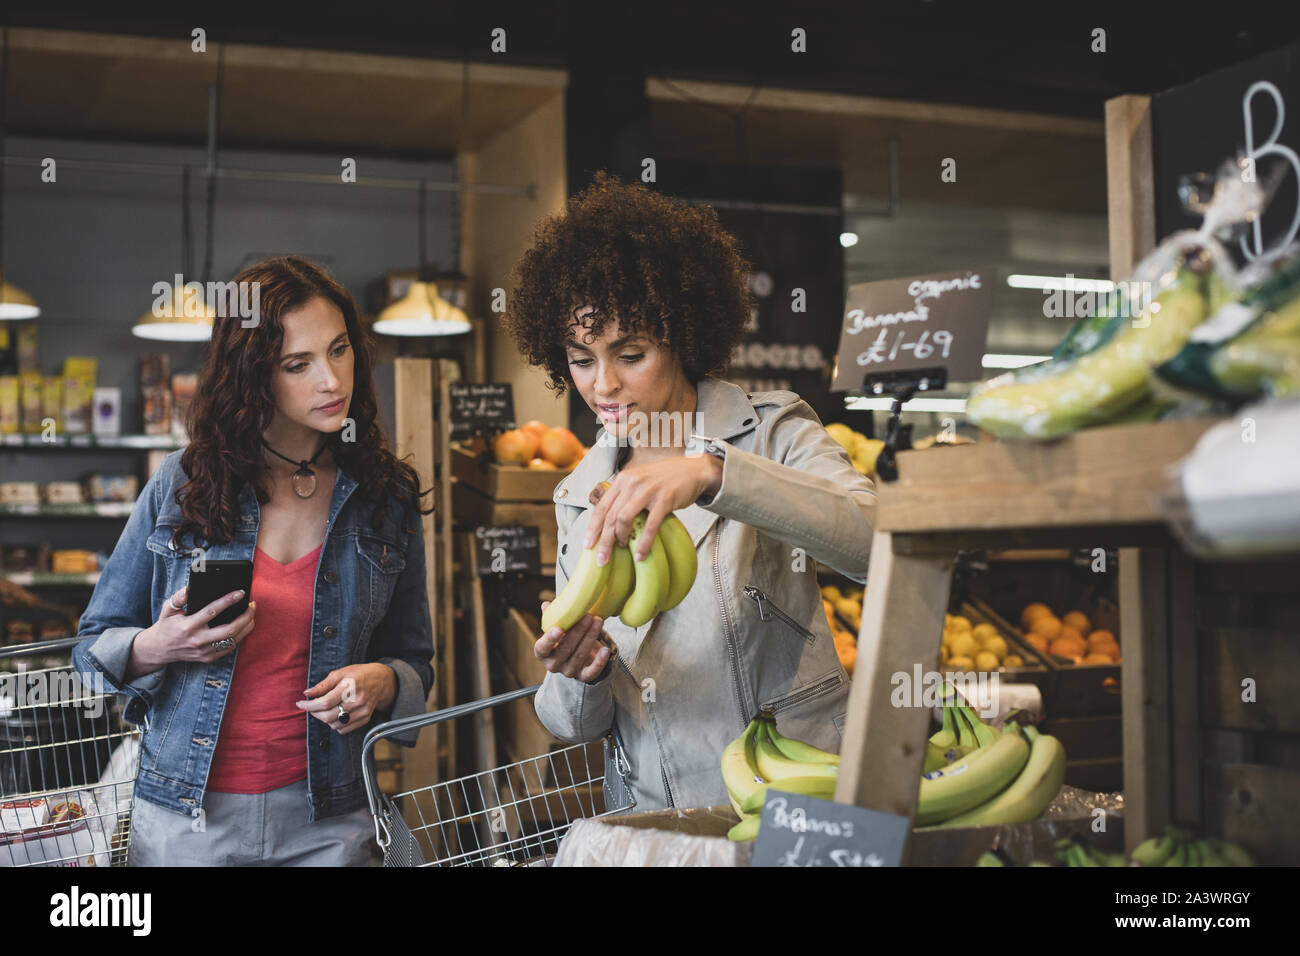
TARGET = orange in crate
x,y
1047,625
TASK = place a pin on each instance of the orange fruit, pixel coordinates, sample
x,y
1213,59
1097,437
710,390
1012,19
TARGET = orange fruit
x,y
1047,625
1067,647
1037,641
536,428
1072,633
515,446
1102,641
848,657
1077,620
541,464
561,447
1032,611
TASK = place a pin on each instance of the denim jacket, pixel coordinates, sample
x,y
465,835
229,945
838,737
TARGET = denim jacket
x,y
370,604
751,633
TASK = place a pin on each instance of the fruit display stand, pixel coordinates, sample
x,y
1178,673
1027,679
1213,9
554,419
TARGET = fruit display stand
x,y
1194,630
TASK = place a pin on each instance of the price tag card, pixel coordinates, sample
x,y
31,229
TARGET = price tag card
x,y
937,321
807,831
481,409
508,549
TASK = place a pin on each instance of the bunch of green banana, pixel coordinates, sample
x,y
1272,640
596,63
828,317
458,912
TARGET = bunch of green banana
x,y
979,776
955,739
1094,387
1072,853
762,758
1180,847
633,591
1029,794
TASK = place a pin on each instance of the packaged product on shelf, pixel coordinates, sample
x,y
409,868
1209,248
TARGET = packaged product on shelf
x,y
9,417
63,493
108,412
157,410
112,488
73,561
184,386
52,401
19,493
78,393
154,369
29,388
27,347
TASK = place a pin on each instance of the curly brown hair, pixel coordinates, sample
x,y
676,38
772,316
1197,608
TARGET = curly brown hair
x,y
653,264
234,405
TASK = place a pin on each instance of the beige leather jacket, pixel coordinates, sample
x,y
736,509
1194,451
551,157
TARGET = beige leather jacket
x,y
752,632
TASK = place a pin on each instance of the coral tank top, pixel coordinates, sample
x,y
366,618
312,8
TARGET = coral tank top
x,y
262,744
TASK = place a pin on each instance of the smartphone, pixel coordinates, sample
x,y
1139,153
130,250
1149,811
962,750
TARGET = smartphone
x,y
217,579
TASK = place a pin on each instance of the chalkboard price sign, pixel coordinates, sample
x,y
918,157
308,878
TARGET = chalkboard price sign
x,y
508,549
481,409
797,830
937,321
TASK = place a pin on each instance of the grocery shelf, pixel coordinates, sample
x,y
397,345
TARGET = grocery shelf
x,y
102,509
50,578
82,442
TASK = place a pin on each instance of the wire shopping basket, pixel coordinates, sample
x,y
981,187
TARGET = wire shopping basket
x,y
68,763
514,815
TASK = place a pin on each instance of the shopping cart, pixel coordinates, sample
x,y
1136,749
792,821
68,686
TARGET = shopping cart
x,y
514,815
68,763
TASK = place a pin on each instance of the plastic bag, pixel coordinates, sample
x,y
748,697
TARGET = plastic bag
x,y
1100,374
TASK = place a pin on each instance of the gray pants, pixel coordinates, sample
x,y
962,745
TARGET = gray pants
x,y
250,829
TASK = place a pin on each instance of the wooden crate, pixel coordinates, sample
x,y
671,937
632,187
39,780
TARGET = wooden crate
x,y
471,508
503,482
520,734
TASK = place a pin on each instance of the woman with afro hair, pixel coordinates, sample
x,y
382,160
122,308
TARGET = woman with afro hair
x,y
637,300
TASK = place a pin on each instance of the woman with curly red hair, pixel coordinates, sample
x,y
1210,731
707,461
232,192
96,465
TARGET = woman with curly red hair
x,y
251,753
637,300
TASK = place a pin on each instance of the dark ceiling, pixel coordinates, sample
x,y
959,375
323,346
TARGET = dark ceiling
x,y
1023,57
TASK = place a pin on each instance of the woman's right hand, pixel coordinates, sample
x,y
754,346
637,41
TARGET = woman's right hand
x,y
577,652
176,636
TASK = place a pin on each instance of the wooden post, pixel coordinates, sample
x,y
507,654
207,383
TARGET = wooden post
x,y
902,623
1130,183
1144,678
413,397
476,626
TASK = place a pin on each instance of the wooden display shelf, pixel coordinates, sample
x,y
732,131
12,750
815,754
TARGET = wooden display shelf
x,y
504,482
1102,476
1099,485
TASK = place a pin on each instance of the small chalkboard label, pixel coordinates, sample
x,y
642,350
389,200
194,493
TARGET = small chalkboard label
x,y
797,830
937,321
508,549
481,409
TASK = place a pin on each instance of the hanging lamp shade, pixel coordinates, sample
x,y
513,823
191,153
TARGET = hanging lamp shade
x,y
15,303
422,311
184,316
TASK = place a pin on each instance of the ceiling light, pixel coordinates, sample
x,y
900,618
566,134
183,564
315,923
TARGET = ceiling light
x,y
422,311
1066,282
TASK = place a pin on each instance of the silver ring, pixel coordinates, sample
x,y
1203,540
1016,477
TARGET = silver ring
x,y
344,716
173,604
224,643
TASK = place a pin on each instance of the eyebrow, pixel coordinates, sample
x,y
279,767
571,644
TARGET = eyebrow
x,y
622,340
294,355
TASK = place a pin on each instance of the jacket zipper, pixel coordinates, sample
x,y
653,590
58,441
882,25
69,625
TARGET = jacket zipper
x,y
765,606
781,703
726,630
668,791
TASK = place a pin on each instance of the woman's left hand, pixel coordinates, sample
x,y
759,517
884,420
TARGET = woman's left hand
x,y
361,689
660,488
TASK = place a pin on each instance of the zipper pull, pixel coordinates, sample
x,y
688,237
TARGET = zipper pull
x,y
760,598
